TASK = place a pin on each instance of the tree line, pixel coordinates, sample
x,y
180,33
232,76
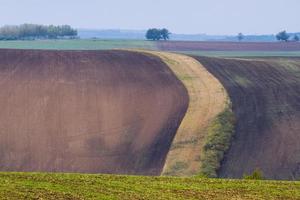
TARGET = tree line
x,y
36,31
158,34
281,36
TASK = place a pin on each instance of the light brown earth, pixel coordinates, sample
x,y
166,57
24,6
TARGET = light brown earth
x,y
208,98
87,111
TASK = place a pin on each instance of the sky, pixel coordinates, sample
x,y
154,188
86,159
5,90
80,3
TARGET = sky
x,y
217,17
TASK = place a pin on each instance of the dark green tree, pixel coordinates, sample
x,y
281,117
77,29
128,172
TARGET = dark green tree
x,y
158,34
296,38
282,36
153,34
165,34
240,37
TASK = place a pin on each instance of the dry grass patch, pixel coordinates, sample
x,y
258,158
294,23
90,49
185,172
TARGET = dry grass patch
x,y
208,99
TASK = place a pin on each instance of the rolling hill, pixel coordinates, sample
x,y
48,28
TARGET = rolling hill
x,y
87,111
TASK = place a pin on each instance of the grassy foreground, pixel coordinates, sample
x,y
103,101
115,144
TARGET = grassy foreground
x,y
79,186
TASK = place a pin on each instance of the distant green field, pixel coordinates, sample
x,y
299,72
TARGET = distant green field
x,y
90,44
243,53
77,44
78,186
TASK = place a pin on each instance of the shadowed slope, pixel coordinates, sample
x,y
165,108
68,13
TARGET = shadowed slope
x,y
266,102
87,111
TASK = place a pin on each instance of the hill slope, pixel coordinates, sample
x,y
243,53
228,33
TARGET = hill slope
x,y
87,111
207,99
266,101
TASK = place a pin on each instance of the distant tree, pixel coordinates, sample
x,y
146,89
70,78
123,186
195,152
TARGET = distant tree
x,y
282,36
32,31
296,38
240,36
157,34
153,34
165,34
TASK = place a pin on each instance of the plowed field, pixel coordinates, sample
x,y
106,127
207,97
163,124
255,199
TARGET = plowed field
x,y
87,111
266,101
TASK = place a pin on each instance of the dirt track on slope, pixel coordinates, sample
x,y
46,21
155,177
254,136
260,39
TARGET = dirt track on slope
x,y
87,111
266,102
227,46
208,98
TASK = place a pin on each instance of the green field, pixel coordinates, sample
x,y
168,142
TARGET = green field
x,y
78,186
97,44
77,44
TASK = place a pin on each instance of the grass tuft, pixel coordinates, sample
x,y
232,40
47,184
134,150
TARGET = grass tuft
x,y
256,175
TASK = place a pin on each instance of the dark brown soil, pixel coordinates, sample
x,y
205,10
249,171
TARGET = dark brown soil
x,y
227,46
266,102
87,111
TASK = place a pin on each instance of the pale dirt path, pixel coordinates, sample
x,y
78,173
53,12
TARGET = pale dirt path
x,y
208,98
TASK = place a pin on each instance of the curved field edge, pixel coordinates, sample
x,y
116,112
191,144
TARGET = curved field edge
x,y
18,186
207,99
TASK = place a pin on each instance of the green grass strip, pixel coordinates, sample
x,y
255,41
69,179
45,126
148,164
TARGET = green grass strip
x,y
18,186
217,143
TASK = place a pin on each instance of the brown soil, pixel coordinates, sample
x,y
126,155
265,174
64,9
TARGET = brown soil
x,y
227,46
87,111
266,102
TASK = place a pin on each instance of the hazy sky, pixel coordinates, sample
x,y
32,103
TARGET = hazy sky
x,y
180,16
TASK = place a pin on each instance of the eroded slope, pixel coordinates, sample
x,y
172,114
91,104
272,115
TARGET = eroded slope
x,y
87,111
